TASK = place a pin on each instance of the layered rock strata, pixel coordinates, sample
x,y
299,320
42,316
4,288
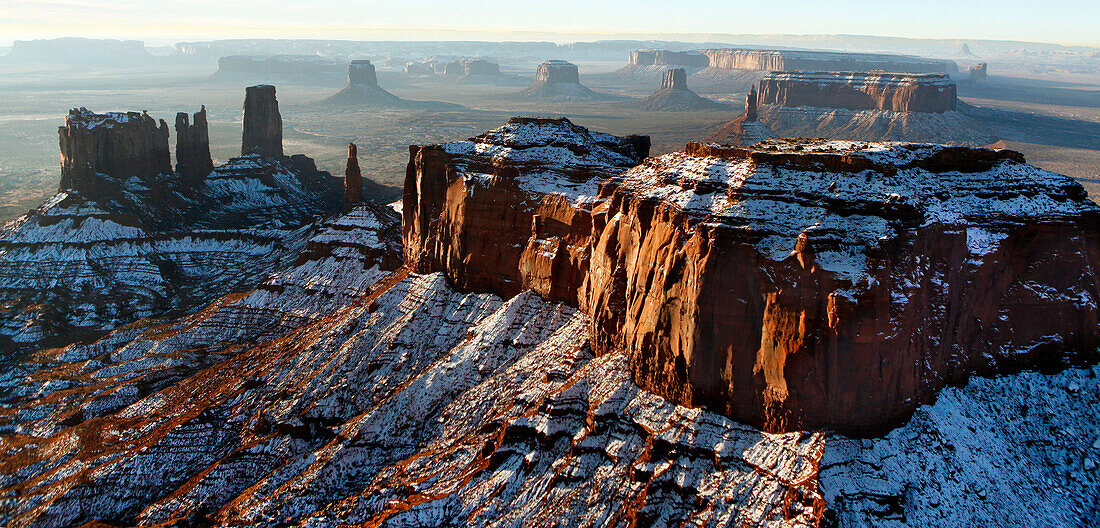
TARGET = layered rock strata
x,y
792,60
660,57
793,284
558,80
118,145
263,125
899,92
675,96
193,161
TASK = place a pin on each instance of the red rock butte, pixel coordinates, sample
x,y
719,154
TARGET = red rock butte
x,y
794,284
783,60
899,92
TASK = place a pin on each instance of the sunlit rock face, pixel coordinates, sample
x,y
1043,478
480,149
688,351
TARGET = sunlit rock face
x,y
792,284
899,92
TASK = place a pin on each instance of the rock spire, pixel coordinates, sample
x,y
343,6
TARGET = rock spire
x,y
193,161
263,126
353,180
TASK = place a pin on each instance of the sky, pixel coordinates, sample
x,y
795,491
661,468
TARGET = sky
x,y
164,22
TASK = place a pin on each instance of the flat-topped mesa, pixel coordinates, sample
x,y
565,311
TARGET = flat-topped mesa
x,y
263,126
899,92
353,180
791,60
790,285
193,161
675,79
362,73
557,71
558,80
479,67
545,172
978,72
116,144
660,57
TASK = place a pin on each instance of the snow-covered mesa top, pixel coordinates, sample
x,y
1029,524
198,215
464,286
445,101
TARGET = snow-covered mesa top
x,y
557,156
859,78
781,190
90,120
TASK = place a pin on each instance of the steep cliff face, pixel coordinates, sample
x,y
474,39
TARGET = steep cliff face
x,y
814,284
263,125
674,96
791,60
899,92
342,393
193,161
549,168
353,180
558,80
660,57
100,150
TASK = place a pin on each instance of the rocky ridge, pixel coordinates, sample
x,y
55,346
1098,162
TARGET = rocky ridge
x,y
849,270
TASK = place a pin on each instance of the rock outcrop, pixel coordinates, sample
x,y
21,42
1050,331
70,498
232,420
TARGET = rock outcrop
x,y
263,125
978,72
790,285
660,57
745,129
363,90
193,161
899,92
558,80
118,145
674,96
125,238
800,60
353,180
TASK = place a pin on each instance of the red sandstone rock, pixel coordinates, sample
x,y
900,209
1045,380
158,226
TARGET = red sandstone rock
x,y
792,60
791,285
115,144
263,126
900,92
977,72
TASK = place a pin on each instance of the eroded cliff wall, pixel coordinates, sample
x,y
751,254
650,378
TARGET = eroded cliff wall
x,y
792,285
116,144
899,92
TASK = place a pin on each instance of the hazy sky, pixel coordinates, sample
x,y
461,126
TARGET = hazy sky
x,y
162,22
